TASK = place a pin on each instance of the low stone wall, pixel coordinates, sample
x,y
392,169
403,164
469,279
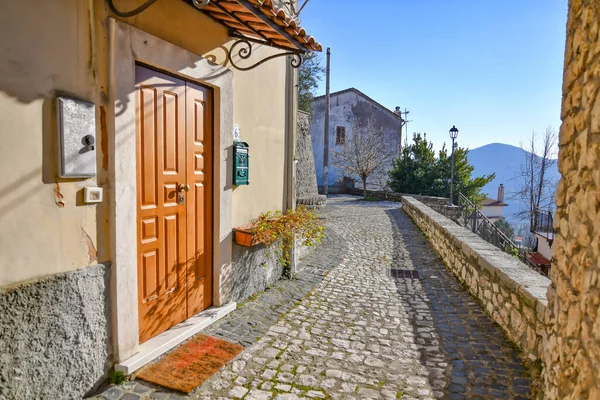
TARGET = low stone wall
x,y
439,204
54,341
511,293
253,269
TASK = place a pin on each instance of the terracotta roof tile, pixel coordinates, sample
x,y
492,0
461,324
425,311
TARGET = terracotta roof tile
x,y
262,20
537,259
492,202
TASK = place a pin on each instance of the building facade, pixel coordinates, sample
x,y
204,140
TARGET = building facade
x,y
493,208
347,108
117,218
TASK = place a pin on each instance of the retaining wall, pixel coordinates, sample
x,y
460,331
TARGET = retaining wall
x,y
307,193
511,293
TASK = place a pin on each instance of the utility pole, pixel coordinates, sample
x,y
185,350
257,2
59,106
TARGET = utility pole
x,y
326,136
406,121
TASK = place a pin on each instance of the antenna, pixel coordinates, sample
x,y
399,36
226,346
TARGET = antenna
x,y
406,121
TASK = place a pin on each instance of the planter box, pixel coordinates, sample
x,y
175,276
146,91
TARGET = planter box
x,y
244,237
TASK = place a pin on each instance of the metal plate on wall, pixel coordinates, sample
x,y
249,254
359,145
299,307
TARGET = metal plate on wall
x,y
76,121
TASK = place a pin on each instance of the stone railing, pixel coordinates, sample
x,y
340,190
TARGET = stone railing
x,y
439,204
512,294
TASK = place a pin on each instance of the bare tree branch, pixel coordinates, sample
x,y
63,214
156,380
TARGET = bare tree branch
x,y
534,187
365,154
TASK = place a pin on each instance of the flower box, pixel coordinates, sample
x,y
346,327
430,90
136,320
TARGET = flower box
x,y
244,236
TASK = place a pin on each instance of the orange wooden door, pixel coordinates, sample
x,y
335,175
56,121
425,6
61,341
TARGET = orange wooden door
x,y
174,132
199,206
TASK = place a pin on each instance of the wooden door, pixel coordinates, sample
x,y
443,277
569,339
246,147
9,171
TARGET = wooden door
x,y
174,250
199,206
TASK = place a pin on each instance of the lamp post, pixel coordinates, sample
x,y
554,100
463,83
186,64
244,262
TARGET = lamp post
x,y
453,136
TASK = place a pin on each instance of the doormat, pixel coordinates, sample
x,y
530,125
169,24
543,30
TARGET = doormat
x,y
188,366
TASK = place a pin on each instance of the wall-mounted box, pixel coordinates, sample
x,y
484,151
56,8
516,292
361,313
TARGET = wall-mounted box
x,y
92,195
76,125
241,162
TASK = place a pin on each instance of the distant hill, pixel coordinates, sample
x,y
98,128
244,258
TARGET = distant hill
x,y
504,160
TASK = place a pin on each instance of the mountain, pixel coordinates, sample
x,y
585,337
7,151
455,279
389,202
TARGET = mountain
x,y
504,160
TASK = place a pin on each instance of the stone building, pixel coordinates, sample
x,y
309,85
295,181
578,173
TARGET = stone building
x,y
117,167
347,107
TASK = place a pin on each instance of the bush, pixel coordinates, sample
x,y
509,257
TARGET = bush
x,y
301,223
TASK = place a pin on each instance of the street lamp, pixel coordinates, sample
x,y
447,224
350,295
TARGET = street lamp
x,y
453,136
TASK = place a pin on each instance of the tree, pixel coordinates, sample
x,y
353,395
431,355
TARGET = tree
x,y
418,171
463,182
534,187
309,75
364,154
415,169
506,228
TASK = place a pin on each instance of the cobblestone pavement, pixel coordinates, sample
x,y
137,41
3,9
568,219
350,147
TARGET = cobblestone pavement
x,y
361,333
482,363
253,318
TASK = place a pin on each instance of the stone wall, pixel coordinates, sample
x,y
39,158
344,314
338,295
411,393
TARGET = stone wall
x,y
54,341
253,269
307,192
439,204
511,293
572,366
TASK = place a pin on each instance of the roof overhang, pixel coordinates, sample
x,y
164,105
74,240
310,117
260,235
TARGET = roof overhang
x,y
537,259
262,22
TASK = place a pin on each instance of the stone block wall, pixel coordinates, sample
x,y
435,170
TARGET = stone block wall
x,y
572,367
307,192
253,269
54,336
511,293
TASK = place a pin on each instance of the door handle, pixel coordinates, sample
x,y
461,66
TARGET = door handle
x,y
183,188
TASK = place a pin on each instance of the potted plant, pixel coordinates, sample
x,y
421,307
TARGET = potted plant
x,y
271,227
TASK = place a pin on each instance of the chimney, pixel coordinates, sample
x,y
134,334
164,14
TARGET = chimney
x,y
397,111
501,193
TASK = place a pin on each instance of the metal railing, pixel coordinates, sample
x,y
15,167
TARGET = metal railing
x,y
481,225
542,222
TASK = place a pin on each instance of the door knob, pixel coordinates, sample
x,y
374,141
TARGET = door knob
x,y
183,187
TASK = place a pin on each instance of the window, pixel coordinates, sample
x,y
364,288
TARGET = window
x,y
340,135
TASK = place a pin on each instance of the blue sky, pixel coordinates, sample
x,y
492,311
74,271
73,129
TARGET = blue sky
x,y
493,68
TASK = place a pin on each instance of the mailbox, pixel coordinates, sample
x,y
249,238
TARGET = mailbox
x,y
241,161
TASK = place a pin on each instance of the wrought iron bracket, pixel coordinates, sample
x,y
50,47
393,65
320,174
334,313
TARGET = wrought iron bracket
x,y
245,52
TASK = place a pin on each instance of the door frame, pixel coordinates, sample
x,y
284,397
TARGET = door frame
x,y
128,46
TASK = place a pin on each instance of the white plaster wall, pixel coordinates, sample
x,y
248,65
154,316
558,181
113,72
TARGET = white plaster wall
x,y
340,114
544,247
260,111
492,211
44,49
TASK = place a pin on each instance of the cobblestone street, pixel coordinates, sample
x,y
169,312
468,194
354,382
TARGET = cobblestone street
x,y
346,329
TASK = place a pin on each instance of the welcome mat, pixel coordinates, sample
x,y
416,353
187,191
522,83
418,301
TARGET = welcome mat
x,y
188,366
